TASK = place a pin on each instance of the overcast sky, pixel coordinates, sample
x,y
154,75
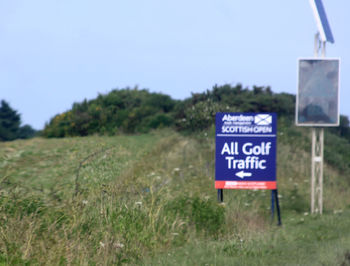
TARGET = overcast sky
x,y
56,52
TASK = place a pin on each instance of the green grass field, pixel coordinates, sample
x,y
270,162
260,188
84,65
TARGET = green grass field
x,y
150,200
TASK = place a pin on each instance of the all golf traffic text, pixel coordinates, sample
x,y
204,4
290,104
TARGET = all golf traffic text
x,y
252,152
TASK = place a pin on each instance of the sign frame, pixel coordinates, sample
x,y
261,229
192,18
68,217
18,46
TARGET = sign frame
x,y
313,124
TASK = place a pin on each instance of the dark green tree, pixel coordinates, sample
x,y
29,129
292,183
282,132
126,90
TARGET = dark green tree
x,y
10,121
26,132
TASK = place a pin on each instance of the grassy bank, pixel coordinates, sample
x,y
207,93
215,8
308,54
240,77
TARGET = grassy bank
x,y
150,199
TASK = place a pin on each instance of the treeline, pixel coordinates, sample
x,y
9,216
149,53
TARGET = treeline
x,y
139,111
120,111
10,124
198,111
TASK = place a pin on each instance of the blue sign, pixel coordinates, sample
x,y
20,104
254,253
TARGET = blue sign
x,y
245,151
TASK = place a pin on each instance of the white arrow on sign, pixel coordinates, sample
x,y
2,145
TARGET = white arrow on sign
x,y
243,174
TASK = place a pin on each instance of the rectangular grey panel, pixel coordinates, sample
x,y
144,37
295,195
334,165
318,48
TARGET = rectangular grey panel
x,y
318,92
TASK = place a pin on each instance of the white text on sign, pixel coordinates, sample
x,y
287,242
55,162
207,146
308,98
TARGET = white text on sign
x,y
249,162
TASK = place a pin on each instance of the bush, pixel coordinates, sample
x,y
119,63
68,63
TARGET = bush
x,y
127,110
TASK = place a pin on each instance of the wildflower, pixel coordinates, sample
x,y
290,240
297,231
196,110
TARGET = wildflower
x,y
85,202
306,213
118,245
102,244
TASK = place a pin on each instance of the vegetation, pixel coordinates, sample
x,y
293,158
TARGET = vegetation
x,y
139,111
150,199
10,122
198,112
120,111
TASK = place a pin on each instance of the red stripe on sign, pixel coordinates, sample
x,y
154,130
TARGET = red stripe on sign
x,y
245,185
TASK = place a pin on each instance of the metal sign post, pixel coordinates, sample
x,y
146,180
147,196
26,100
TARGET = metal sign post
x,y
318,99
317,150
220,195
317,170
318,107
274,198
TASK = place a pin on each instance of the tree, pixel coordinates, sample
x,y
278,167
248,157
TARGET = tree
x,y
10,121
26,132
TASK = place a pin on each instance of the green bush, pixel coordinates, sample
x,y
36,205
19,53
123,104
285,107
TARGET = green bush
x,y
198,112
127,110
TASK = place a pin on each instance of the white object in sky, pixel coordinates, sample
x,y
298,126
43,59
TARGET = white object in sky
x,y
322,21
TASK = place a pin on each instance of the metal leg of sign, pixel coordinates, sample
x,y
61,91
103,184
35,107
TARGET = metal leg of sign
x,y
272,205
274,198
278,208
317,170
220,195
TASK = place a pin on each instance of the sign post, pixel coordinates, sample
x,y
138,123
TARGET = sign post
x,y
318,107
245,156
318,99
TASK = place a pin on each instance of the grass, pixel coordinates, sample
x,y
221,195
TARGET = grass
x,y
307,241
150,199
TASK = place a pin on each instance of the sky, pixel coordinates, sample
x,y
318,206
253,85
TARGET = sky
x,y
57,52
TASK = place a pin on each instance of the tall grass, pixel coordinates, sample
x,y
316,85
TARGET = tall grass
x,y
137,199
